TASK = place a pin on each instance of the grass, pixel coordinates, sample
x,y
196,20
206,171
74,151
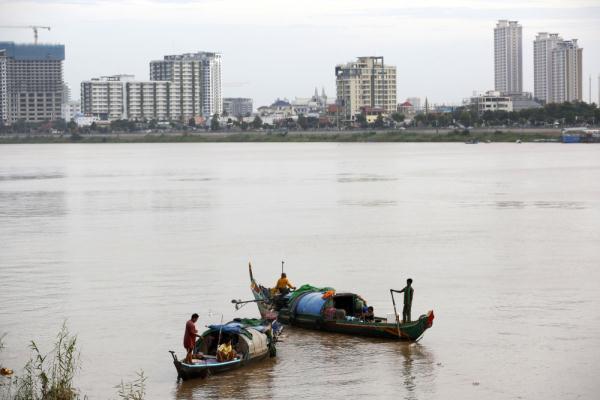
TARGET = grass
x,y
51,376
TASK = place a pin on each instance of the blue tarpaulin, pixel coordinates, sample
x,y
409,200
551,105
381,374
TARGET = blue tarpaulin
x,y
310,304
231,327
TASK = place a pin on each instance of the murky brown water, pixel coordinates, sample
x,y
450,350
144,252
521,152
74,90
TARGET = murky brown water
x,y
126,241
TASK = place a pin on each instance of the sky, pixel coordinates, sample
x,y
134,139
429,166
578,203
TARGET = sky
x,y
272,49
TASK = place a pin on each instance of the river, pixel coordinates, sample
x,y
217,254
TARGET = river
x,y
125,241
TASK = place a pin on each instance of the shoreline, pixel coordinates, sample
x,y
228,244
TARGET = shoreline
x,y
392,136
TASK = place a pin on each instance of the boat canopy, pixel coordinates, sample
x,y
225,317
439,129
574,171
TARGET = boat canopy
x,y
254,346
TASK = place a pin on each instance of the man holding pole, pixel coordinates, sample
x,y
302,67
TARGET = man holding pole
x,y
408,297
189,338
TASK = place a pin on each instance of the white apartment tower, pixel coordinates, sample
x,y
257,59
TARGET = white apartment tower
x,y
195,88
557,69
110,98
508,57
366,82
104,97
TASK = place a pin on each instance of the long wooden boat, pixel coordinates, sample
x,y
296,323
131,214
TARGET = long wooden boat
x,y
326,310
252,339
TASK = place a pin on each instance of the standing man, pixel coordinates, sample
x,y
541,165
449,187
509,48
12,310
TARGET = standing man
x,y
189,338
408,298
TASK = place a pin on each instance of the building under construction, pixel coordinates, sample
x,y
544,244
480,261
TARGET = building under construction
x,y
31,82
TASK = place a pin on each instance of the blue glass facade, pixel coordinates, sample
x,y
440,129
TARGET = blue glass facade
x,y
33,52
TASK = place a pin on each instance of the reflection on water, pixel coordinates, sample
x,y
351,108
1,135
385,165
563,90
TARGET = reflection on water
x,y
369,203
9,177
508,204
250,382
31,204
349,178
126,241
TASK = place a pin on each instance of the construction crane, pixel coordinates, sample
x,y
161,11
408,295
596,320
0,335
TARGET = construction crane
x,y
34,27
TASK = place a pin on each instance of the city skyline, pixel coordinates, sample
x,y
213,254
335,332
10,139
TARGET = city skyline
x,y
436,54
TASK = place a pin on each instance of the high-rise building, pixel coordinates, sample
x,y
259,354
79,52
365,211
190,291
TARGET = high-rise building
x,y
149,100
508,57
31,82
366,82
237,106
104,97
196,83
557,69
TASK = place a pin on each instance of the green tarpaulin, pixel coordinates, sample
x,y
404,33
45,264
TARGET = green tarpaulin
x,y
308,288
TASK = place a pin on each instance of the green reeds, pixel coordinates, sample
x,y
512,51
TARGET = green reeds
x,y
134,390
50,376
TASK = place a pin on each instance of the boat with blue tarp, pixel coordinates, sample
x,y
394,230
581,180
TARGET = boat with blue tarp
x,y
322,308
250,340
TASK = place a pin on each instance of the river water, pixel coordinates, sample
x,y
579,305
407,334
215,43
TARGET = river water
x,y
125,241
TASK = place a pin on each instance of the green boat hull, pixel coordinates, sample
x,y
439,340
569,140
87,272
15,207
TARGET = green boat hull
x,y
410,331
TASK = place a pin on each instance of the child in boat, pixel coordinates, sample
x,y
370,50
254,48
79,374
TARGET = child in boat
x,y
225,352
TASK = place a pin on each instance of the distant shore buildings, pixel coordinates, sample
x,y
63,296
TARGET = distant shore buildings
x,y
31,82
366,83
181,87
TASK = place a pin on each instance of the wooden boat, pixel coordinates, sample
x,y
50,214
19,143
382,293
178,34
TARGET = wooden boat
x,y
326,310
252,339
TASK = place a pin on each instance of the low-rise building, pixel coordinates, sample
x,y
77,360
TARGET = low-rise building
x,y
407,109
237,106
522,101
416,103
70,110
310,106
491,101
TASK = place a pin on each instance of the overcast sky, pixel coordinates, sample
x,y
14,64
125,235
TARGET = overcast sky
x,y
278,48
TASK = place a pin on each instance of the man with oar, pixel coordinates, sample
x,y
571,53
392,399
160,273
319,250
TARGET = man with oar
x,y
408,297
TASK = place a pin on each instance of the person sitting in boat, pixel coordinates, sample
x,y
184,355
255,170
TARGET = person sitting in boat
x,y
225,352
283,285
369,314
189,338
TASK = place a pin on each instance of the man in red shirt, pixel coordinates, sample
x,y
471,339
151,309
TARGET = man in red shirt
x,y
189,339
